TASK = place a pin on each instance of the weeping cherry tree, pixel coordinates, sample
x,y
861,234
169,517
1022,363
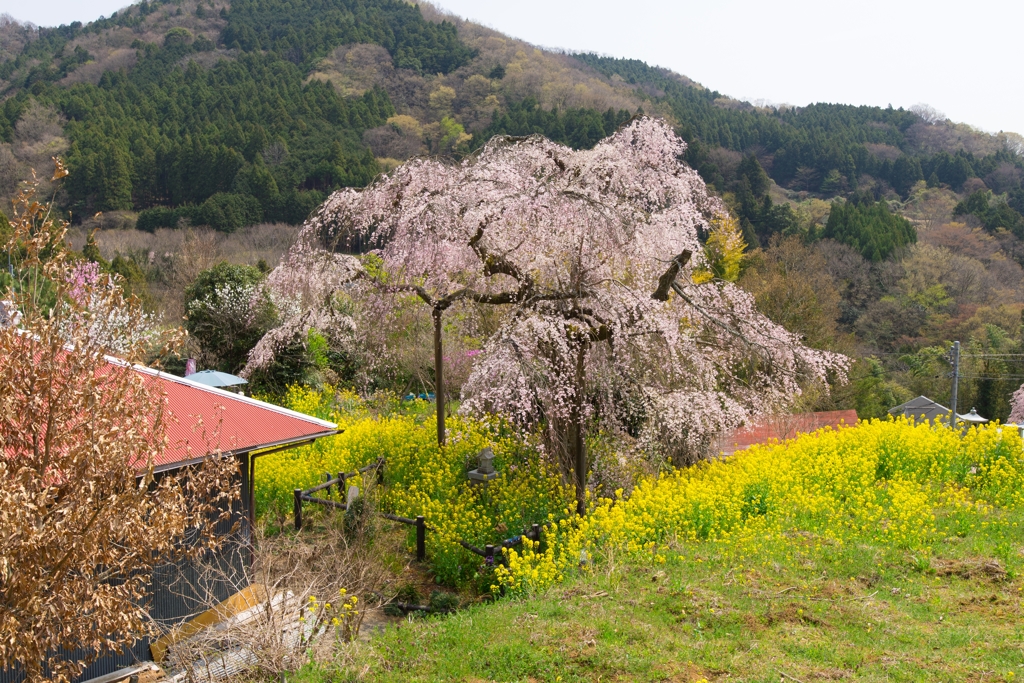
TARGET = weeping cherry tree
x,y
591,256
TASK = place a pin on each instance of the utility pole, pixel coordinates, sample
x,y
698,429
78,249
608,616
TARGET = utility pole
x,y
954,358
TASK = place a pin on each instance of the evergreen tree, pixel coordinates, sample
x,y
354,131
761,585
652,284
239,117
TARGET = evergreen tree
x,y
906,171
870,228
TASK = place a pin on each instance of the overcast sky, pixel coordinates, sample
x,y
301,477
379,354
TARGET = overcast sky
x,y
963,58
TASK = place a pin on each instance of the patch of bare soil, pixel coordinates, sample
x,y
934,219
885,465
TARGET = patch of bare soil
x,y
971,568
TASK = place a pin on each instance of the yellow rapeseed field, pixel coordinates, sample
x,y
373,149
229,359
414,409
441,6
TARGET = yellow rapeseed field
x,y
902,485
894,482
421,479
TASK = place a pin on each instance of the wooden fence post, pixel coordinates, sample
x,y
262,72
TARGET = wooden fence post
x,y
342,488
535,530
421,538
489,554
297,509
327,477
380,472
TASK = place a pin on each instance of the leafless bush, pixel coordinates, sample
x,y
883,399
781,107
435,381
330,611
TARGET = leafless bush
x,y
1013,143
950,137
37,130
883,152
266,241
303,593
1004,178
727,160
113,60
13,36
393,141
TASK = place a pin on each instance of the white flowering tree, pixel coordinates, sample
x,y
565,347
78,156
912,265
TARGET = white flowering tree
x,y
591,254
304,290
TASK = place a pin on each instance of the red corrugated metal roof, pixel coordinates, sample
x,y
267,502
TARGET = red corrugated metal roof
x,y
202,419
786,427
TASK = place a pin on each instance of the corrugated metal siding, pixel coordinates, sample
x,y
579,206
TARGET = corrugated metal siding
x,y
169,604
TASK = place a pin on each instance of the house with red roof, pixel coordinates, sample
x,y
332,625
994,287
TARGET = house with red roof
x,y
201,419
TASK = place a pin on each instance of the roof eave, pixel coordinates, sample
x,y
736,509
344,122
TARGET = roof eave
x,y
272,447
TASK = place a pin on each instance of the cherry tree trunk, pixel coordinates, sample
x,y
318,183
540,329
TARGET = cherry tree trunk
x,y
439,376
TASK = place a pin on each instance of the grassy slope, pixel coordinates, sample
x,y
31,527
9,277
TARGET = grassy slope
x,y
809,611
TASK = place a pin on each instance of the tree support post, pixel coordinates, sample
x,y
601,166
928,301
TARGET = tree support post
x,y
297,509
421,538
579,443
954,354
438,375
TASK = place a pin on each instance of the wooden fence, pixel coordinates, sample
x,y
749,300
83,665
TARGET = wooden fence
x,y
488,552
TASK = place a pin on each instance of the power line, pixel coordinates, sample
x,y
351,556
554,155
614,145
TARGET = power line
x,y
998,377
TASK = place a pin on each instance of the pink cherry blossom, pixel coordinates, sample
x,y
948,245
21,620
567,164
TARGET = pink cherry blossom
x,y
1017,406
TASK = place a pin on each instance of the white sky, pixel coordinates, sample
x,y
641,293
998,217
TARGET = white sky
x,y
963,58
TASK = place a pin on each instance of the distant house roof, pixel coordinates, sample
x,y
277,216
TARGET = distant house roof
x,y
201,419
921,408
785,427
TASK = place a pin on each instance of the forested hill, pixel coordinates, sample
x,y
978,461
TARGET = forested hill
x,y
878,232
231,113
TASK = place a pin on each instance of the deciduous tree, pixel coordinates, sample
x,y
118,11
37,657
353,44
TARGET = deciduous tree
x,y
83,521
1017,406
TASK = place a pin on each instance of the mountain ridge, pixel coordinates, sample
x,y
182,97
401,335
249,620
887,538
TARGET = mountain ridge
x,y
449,84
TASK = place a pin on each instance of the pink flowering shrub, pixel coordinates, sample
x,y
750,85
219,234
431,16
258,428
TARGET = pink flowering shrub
x,y
84,276
95,302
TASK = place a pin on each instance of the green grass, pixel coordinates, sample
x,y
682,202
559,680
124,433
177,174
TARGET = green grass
x,y
806,610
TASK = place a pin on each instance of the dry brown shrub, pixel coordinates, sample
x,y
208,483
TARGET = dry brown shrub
x,y
114,59
172,258
883,152
309,576
84,520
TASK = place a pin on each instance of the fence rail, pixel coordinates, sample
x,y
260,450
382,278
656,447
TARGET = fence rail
x,y
306,495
